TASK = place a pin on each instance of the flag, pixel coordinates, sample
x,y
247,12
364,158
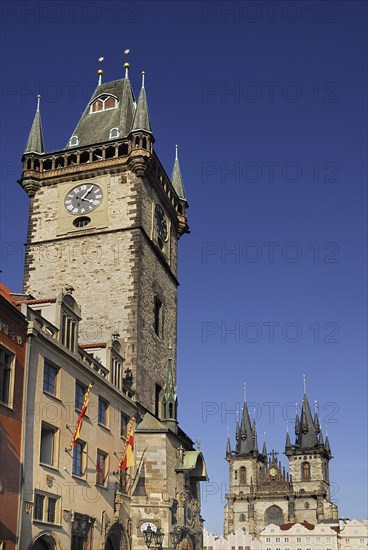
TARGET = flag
x,y
80,417
127,458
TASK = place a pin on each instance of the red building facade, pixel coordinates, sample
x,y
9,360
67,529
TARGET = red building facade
x,y
13,334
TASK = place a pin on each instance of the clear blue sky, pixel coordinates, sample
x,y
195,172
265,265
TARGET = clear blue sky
x,y
267,104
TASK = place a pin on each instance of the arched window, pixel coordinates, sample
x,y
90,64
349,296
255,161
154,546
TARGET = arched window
x,y
243,475
103,103
74,141
274,515
305,471
114,133
242,517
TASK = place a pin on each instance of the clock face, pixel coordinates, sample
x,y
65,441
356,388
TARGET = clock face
x,y
160,220
83,198
147,524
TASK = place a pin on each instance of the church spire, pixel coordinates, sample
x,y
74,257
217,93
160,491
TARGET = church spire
x,y
35,138
176,178
228,447
246,443
127,104
306,434
141,117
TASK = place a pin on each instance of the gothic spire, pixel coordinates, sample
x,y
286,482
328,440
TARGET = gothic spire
x,y
264,450
306,433
176,178
246,443
228,447
287,443
141,117
169,399
255,438
127,104
35,138
327,445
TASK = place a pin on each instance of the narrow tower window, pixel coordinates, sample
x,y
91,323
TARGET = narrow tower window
x,y
158,316
243,475
305,471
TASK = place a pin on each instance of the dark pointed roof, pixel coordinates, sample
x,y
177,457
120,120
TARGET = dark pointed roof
x,y
95,127
306,434
327,445
245,444
176,178
170,391
228,447
255,438
141,117
35,139
264,449
288,442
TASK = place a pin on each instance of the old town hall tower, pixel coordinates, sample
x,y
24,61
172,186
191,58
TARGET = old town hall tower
x,y
104,224
106,219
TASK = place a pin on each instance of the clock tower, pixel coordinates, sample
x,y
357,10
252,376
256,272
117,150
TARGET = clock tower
x,y
106,218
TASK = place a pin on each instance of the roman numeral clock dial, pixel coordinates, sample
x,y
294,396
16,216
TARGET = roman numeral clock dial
x,y
161,224
83,199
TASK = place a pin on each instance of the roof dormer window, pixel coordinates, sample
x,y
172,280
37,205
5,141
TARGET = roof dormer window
x,y
74,141
114,133
103,103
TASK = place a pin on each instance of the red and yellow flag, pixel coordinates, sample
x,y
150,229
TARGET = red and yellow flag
x,y
127,458
78,427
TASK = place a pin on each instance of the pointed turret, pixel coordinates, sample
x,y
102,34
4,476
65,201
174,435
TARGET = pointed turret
x,y
255,438
127,104
306,436
327,445
287,443
35,138
170,400
246,443
141,117
264,450
177,180
317,427
228,448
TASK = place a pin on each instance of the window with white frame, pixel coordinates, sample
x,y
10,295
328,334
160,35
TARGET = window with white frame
x,y
103,103
7,366
48,445
114,133
74,141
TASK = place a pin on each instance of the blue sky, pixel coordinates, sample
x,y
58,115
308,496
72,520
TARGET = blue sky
x,y
267,104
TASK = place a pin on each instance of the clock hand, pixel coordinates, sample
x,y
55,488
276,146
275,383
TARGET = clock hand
x,y
87,192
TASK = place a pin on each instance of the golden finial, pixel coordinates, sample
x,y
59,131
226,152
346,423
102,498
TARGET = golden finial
x,y
100,71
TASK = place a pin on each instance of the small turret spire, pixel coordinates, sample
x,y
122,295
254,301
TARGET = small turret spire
x,y
228,446
305,384
176,178
35,139
141,117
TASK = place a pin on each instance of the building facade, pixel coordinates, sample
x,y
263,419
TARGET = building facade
x,y
104,225
13,337
73,495
262,492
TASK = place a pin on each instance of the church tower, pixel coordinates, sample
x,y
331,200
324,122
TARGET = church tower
x,y
106,218
309,465
246,464
263,492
